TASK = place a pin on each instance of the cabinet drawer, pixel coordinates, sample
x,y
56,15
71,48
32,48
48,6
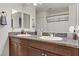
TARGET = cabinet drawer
x,y
15,40
22,50
50,54
19,40
34,52
24,42
55,48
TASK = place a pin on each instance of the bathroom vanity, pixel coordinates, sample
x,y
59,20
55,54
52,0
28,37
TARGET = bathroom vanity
x,y
34,46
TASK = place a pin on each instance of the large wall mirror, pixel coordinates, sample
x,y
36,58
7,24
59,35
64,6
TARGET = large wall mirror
x,y
16,19
58,18
20,20
54,20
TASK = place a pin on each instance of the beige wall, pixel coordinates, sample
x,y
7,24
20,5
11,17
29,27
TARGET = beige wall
x,y
6,49
77,13
73,15
5,29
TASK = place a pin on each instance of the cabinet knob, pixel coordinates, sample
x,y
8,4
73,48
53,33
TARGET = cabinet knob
x,y
42,54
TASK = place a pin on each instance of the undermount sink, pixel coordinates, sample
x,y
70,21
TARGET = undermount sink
x,y
23,35
51,38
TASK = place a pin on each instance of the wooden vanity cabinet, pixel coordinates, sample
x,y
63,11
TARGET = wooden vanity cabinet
x,y
22,50
47,53
53,49
14,49
23,47
34,52
39,52
28,47
18,47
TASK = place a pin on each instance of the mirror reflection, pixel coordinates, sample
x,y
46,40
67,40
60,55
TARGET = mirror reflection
x,y
16,19
57,18
26,21
20,20
54,19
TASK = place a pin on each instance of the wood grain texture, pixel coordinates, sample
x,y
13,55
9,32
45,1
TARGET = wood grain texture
x,y
26,47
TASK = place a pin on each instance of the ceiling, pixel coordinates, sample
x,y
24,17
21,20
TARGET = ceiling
x,y
51,6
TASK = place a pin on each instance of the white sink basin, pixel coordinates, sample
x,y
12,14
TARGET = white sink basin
x,y
51,38
23,35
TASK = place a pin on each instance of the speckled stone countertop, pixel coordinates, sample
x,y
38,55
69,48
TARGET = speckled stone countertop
x,y
65,41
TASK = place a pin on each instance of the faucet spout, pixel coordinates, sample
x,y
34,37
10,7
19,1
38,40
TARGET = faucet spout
x,y
51,34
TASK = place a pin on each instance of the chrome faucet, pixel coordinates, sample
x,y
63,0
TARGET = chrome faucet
x,y
51,34
22,31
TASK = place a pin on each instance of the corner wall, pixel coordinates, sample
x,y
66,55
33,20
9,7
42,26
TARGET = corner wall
x,y
4,47
7,28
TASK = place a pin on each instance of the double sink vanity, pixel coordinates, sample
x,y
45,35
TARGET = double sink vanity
x,y
43,45
34,45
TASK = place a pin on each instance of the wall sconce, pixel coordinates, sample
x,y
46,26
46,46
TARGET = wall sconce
x,y
3,18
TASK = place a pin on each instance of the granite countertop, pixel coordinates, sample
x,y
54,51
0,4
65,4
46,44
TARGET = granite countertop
x,y
65,41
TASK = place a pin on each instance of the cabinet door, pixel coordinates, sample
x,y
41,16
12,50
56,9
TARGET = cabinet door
x,y
50,54
14,49
78,52
22,50
34,52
